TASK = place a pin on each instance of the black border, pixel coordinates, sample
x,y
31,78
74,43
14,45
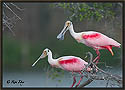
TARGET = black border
x,y
74,1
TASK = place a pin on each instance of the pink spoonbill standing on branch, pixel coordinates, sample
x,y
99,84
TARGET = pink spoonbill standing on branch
x,y
69,63
93,39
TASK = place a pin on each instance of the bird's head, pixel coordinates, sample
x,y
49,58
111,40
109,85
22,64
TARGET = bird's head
x,y
67,26
43,55
68,23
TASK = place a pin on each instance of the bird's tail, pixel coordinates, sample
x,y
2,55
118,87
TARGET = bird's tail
x,y
110,50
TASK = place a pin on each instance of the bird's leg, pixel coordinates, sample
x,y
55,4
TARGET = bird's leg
x,y
79,80
98,57
74,80
95,58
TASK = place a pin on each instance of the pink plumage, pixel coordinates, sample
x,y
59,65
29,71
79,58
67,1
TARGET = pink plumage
x,y
72,63
99,40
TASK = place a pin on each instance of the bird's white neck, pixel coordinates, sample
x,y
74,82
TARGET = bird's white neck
x,y
72,32
50,56
50,59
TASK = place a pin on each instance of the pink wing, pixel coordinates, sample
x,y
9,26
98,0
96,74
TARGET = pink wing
x,y
97,39
73,64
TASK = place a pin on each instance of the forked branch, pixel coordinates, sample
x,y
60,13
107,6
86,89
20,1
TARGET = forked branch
x,y
98,74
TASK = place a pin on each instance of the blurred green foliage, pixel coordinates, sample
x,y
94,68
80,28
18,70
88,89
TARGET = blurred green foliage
x,y
56,72
96,11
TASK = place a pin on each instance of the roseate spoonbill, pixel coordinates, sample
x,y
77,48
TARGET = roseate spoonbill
x,y
69,63
93,39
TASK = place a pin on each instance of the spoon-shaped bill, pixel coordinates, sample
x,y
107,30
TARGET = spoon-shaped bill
x,y
36,62
61,35
42,56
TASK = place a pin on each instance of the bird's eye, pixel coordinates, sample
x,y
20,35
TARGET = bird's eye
x,y
68,24
48,50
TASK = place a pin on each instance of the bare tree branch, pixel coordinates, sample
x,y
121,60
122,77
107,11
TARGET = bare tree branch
x,y
10,21
98,74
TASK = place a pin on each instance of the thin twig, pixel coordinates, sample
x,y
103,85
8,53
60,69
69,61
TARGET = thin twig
x,y
12,11
17,7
